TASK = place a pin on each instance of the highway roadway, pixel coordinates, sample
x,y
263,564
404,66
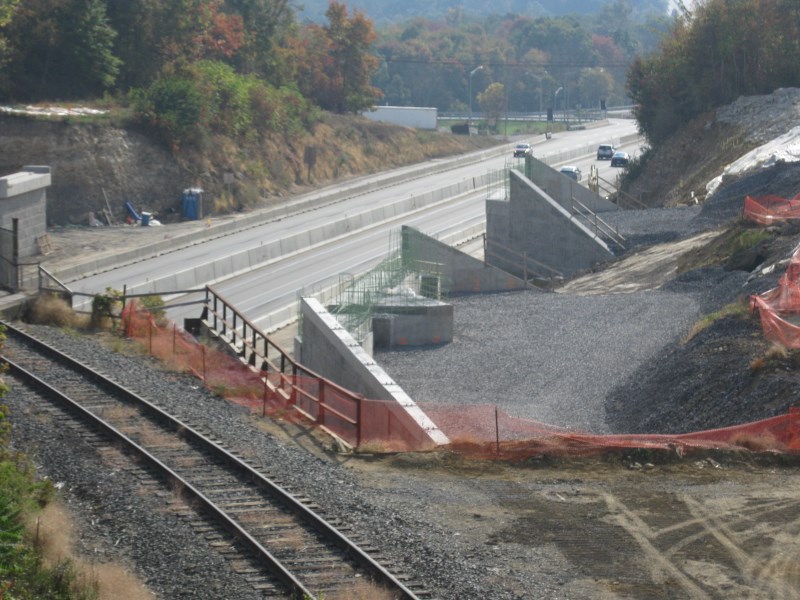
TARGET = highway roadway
x,y
267,294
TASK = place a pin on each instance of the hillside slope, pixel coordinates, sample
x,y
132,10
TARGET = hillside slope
x,y
99,165
726,372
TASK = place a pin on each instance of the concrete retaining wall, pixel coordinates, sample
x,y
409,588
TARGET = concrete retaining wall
x,y
464,273
329,350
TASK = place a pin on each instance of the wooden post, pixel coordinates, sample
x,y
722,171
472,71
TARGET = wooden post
x,y
497,430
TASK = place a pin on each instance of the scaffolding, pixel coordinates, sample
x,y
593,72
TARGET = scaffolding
x,y
499,181
402,279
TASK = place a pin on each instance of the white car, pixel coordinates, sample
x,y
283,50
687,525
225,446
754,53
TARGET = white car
x,y
571,172
523,150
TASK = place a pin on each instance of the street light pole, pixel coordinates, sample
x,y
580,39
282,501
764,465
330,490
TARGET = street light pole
x,y
555,100
539,79
471,73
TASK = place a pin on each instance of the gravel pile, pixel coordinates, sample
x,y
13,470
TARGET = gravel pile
x,y
763,118
118,522
588,363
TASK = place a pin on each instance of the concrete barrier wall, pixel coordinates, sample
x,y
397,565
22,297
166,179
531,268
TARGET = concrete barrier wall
x,y
329,350
466,273
232,265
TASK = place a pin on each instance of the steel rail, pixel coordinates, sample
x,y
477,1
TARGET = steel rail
x,y
380,574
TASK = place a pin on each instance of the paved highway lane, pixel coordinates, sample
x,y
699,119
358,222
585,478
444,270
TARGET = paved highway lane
x,y
263,292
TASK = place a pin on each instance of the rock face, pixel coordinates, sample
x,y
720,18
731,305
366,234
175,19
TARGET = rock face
x,y
91,162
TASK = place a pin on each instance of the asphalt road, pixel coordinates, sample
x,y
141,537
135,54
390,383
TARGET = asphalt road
x,y
267,293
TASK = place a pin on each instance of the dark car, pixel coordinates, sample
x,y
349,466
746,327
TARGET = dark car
x,y
620,159
605,151
522,150
571,172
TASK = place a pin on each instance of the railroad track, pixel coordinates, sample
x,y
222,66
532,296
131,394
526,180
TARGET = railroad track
x,y
279,541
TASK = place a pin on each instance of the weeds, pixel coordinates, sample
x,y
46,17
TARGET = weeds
x,y
738,308
23,571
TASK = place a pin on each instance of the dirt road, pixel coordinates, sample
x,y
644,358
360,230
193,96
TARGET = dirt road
x,y
701,528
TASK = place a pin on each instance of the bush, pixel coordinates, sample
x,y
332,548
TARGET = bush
x,y
49,309
209,98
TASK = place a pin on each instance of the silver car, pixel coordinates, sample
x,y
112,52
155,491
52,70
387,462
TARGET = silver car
x,y
571,172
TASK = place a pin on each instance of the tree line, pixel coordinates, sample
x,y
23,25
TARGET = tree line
x,y
710,57
249,67
189,67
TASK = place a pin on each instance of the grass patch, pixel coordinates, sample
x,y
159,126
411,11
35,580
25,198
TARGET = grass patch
x,y
723,248
734,309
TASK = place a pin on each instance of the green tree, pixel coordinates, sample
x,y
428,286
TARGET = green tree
x,y
726,49
60,49
267,25
594,85
138,24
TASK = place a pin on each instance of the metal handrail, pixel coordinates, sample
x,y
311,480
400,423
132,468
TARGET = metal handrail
x,y
523,261
254,346
599,224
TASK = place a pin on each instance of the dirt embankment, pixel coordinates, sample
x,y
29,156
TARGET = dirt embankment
x,y
99,166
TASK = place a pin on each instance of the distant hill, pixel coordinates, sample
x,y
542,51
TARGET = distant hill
x,y
384,12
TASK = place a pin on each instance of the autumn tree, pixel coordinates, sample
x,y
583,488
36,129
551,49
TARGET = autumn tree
x,y
493,102
334,62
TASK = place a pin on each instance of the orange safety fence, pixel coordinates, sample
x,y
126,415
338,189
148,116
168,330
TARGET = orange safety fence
x,y
767,210
380,425
354,419
484,429
778,307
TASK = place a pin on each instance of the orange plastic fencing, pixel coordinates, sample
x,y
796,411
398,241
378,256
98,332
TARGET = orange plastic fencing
x,y
767,210
284,395
487,431
779,307
378,425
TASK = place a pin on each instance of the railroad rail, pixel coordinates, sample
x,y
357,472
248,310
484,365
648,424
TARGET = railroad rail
x,y
300,554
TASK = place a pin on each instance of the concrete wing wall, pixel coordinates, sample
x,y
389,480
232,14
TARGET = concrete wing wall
x,y
540,227
466,273
329,350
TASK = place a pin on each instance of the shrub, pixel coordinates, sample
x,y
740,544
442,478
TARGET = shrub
x,y
49,309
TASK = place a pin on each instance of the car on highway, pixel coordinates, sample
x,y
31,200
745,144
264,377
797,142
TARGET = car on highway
x,y
605,151
620,159
572,172
523,150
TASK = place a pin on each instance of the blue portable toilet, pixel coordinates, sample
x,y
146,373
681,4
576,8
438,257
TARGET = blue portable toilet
x,y
192,203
